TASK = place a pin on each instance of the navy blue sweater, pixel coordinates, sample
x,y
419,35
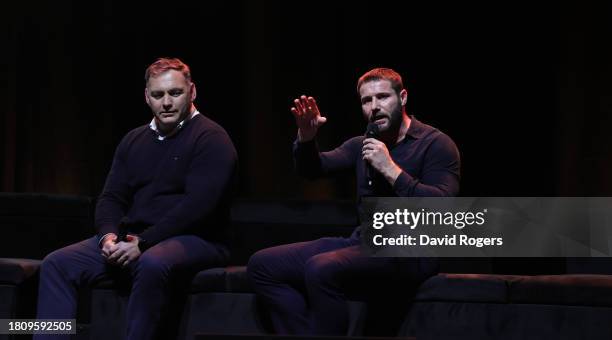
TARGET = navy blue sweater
x,y
180,185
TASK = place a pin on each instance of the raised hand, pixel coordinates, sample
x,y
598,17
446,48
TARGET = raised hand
x,y
307,117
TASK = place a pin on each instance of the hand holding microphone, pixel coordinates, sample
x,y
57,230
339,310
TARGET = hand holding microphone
x,y
377,157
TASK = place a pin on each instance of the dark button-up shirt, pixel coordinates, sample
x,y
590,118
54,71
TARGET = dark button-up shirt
x,y
429,160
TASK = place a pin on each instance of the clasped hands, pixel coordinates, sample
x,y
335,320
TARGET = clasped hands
x,y
120,253
308,119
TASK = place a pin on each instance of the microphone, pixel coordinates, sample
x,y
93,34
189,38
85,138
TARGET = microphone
x,y
371,132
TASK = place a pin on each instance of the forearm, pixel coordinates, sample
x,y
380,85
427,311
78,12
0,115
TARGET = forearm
x,y
311,163
306,158
109,211
304,137
114,200
406,185
391,172
439,175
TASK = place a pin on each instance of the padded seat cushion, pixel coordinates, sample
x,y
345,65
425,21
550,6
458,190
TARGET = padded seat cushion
x,y
465,287
576,289
16,271
231,279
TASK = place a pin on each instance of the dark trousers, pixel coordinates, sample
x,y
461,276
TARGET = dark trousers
x,y
306,285
66,270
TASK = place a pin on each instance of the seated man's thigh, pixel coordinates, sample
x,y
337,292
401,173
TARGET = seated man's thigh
x,y
362,276
287,262
184,253
80,262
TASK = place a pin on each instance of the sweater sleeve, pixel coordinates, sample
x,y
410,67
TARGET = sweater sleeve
x,y
311,163
208,179
440,172
114,201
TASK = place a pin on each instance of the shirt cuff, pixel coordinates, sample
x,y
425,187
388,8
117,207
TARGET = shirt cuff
x,y
307,145
404,184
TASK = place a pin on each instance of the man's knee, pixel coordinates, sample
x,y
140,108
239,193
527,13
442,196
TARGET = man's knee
x,y
322,269
259,263
54,261
152,265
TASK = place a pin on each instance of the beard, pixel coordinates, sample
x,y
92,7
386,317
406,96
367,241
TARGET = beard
x,y
394,120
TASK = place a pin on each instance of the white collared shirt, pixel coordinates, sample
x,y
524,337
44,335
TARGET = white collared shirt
x,y
153,126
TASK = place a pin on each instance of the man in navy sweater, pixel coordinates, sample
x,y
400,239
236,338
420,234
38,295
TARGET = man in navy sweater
x,y
306,285
163,211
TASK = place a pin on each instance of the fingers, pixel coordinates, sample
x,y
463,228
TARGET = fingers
x,y
295,112
130,256
124,260
371,147
113,248
372,144
105,252
115,256
123,253
298,108
372,141
312,105
302,105
119,251
305,107
108,249
368,153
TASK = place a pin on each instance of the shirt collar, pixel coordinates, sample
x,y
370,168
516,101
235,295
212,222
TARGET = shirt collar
x,y
416,129
153,126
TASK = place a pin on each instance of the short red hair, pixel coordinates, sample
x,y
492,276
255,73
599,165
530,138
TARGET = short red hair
x,y
162,65
382,74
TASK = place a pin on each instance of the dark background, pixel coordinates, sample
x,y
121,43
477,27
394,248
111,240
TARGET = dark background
x,y
523,88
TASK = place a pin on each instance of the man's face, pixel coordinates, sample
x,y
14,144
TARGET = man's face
x,y
381,104
170,97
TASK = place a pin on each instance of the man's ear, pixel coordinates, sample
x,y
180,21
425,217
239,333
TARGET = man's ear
x,y
193,92
404,96
147,96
